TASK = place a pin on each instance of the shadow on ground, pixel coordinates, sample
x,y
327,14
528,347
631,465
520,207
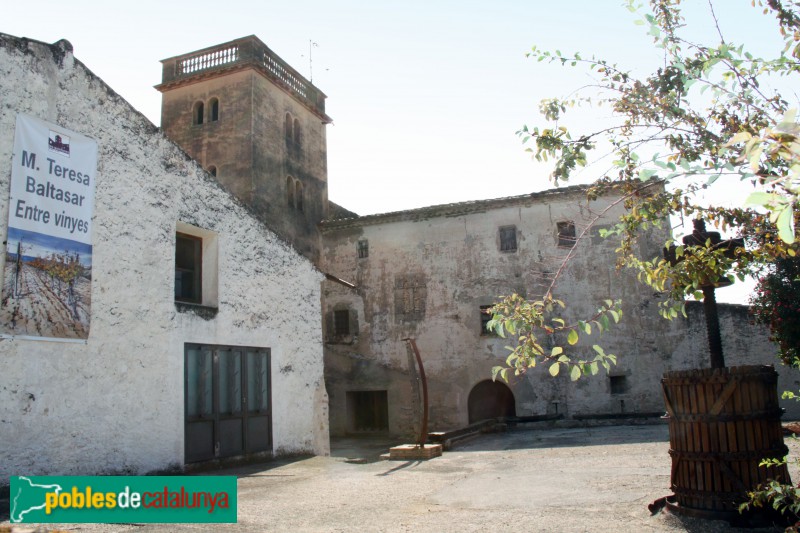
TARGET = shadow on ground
x,y
523,439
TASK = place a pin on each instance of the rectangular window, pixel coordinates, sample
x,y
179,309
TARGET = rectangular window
x,y
363,249
196,266
508,239
566,233
619,384
341,323
188,268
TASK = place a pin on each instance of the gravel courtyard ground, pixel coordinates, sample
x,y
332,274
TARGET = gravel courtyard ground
x,y
586,479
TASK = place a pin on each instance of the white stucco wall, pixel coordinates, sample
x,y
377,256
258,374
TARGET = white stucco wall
x,y
116,403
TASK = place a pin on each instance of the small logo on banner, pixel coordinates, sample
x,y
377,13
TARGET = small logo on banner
x,y
123,499
58,143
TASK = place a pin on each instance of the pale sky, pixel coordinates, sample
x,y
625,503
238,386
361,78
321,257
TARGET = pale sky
x,y
426,96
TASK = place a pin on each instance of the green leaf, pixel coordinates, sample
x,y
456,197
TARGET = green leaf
x,y
647,173
784,223
557,350
495,371
554,368
575,373
761,199
599,349
572,338
511,327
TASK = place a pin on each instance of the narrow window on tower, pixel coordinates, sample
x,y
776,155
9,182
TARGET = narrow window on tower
x,y
297,138
214,110
298,196
290,191
198,112
287,127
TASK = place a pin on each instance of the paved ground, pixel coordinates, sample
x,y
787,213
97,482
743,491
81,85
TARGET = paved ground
x,y
598,479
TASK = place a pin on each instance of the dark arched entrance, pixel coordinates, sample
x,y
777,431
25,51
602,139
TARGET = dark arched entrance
x,y
490,399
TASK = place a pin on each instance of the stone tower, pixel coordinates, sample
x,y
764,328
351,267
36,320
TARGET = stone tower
x,y
259,126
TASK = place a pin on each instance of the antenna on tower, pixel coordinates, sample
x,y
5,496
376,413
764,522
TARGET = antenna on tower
x,y
311,45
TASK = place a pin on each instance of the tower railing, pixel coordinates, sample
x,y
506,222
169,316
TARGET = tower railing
x,y
247,51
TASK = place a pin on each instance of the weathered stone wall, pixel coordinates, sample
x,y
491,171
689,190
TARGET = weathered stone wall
x,y
453,253
116,403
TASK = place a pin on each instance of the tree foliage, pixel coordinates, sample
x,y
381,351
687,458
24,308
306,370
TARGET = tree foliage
x,y
705,115
776,304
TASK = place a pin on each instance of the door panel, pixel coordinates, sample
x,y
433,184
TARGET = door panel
x,y
227,401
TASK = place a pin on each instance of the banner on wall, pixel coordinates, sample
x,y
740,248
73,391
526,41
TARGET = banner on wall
x,y
47,277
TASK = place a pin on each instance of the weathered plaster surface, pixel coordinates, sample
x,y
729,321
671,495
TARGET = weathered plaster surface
x,y
455,249
116,403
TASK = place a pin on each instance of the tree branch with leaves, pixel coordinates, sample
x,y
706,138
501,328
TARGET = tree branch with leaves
x,y
707,113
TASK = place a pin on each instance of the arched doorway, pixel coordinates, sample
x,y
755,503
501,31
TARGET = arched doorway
x,y
490,399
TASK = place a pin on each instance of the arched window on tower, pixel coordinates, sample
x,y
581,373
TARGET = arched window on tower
x,y
290,191
213,105
297,132
287,127
198,112
298,195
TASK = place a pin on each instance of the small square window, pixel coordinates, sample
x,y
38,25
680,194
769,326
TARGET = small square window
x,y
188,268
341,323
486,316
566,233
619,384
508,239
363,249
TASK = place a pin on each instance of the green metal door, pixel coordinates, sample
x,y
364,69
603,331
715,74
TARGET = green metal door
x,y
228,407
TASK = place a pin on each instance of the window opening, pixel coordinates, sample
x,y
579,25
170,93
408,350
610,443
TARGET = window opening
x,y
290,191
341,322
619,384
214,111
197,114
297,132
298,193
188,268
287,127
486,316
566,233
363,249
508,239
